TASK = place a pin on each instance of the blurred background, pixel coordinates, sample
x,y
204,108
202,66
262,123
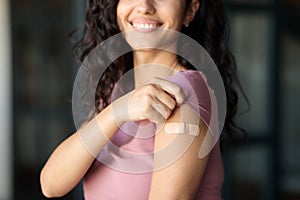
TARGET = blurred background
x,y
37,71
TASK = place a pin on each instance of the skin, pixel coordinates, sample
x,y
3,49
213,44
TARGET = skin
x,y
153,99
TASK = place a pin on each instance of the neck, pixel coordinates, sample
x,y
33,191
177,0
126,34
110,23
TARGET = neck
x,y
150,64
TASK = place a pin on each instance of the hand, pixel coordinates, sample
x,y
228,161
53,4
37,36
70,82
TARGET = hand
x,y
154,101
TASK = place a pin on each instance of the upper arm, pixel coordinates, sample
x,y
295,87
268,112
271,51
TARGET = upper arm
x,y
177,167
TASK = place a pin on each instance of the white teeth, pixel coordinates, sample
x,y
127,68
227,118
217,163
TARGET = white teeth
x,y
138,25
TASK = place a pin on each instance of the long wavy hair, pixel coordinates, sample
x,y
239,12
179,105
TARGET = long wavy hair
x,y
209,28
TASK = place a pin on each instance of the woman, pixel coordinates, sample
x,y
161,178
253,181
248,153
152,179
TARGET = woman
x,y
164,106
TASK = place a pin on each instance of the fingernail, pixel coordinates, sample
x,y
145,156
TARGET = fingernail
x,y
186,94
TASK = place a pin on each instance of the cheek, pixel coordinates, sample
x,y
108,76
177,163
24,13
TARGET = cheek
x,y
121,14
176,19
175,12
119,23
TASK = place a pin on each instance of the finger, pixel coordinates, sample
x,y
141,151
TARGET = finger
x,y
166,99
162,110
155,116
170,88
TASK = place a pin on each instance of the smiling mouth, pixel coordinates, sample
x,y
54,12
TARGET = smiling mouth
x,y
145,26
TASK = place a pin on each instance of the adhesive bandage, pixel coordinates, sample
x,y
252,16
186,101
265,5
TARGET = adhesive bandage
x,y
182,128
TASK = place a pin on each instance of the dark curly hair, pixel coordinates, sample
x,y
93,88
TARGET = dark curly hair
x,y
209,28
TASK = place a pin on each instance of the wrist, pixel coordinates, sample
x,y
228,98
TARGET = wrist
x,y
119,110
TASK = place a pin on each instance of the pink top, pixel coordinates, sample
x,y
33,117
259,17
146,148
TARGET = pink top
x,y
123,169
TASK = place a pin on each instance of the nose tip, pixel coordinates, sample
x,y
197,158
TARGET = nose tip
x,y
146,7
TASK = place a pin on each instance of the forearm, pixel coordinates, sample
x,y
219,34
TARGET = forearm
x,y
65,167
72,158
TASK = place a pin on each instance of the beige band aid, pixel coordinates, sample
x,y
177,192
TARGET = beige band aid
x,y
182,128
